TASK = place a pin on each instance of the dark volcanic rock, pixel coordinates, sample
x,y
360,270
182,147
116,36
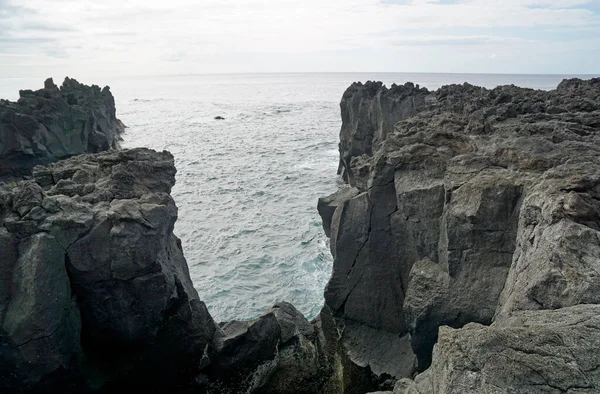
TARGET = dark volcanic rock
x,y
281,352
369,114
95,289
475,205
51,123
549,351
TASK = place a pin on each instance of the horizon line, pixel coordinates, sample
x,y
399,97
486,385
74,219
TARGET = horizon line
x,y
321,72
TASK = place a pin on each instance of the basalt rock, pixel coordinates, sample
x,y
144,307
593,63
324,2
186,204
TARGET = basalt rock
x,y
281,352
51,124
96,297
369,114
543,351
95,292
474,206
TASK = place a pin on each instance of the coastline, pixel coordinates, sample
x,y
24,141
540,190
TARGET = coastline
x,y
453,196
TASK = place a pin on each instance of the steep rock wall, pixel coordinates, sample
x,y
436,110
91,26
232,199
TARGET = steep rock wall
x,y
95,288
480,203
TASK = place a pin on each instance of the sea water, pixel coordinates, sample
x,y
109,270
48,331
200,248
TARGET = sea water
x,y
247,186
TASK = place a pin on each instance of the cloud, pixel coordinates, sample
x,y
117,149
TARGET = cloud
x,y
438,40
45,27
157,36
173,57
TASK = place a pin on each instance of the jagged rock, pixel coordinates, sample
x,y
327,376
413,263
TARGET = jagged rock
x,y
327,205
95,289
476,204
51,123
557,257
41,325
280,352
369,113
385,354
549,351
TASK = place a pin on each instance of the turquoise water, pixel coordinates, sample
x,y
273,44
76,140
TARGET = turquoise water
x,y
247,186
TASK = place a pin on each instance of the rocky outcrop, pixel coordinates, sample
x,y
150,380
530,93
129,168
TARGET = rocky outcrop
x,y
475,207
281,352
51,124
466,249
95,296
369,114
95,289
543,351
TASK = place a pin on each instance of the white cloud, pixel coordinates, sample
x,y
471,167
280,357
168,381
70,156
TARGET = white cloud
x,y
151,36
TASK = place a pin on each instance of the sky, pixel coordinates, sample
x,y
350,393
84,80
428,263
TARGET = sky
x,y
148,37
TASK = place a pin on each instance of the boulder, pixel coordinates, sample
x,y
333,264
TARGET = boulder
x,y
545,351
280,352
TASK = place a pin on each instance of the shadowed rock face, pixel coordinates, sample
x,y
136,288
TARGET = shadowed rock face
x,y
94,285
95,296
51,123
475,205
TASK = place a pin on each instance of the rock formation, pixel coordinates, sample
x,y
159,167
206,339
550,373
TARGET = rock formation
x,y
475,214
95,288
95,295
466,259
51,123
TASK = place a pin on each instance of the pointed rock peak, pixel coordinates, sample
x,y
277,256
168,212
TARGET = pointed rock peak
x,y
50,85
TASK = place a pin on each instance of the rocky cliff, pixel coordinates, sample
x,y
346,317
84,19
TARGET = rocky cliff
x,y
95,288
51,123
470,227
466,260
96,297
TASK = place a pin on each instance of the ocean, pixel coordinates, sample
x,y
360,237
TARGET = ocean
x,y
247,186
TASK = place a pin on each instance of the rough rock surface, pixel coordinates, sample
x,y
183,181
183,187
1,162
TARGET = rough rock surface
x,y
95,290
51,123
475,205
281,352
545,351
95,296
467,248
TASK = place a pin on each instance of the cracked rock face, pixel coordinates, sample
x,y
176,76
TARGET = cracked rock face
x,y
545,351
474,205
94,285
51,124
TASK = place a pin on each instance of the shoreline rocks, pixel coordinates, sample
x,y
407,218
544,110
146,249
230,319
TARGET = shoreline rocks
x,y
466,257
477,205
55,123
96,290
96,297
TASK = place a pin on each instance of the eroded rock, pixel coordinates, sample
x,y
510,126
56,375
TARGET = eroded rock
x,y
475,205
51,124
95,289
549,351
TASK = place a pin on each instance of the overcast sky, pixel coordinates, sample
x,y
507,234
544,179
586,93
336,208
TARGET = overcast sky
x,y
132,37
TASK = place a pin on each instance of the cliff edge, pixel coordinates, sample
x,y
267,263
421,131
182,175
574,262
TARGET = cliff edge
x,y
96,297
470,226
51,124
